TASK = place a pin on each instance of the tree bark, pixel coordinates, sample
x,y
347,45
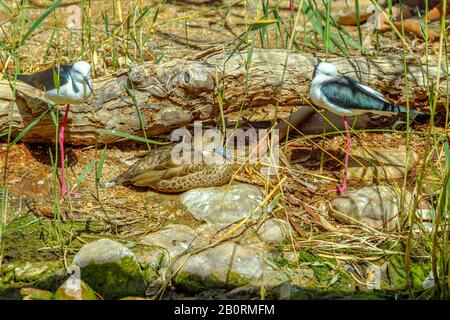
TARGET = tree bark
x,y
176,93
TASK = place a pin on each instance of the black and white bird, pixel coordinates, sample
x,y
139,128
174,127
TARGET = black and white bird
x,y
73,86
346,96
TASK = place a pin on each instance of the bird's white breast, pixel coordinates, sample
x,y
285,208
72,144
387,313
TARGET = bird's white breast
x,y
320,100
67,95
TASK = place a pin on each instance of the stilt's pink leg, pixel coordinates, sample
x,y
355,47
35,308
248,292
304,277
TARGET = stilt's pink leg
x,y
342,188
61,152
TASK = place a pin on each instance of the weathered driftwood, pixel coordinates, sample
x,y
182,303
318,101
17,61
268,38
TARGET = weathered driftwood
x,y
173,94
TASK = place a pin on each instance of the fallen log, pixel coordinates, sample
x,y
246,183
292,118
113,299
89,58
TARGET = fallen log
x,y
176,93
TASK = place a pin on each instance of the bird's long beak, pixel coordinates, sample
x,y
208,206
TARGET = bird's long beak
x,y
89,85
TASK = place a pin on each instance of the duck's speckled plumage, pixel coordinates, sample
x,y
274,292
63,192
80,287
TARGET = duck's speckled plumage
x,y
157,171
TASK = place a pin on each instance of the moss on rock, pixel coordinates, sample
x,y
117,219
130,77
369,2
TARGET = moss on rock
x,y
192,283
111,269
42,275
396,274
79,291
35,294
28,272
115,280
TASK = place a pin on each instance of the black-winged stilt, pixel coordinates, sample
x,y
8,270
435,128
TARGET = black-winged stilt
x,y
75,87
348,97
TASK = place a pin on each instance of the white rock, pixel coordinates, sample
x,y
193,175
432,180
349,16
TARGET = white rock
x,y
429,281
171,240
370,164
102,251
375,206
271,231
209,232
228,264
69,292
226,204
274,230
110,268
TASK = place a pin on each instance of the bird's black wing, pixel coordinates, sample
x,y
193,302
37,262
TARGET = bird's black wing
x,y
347,93
44,80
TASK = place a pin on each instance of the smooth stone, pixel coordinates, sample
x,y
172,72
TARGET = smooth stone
x,y
111,269
209,232
290,256
227,265
227,204
164,244
75,289
429,282
35,271
274,230
43,275
376,206
102,251
35,294
344,12
285,291
270,231
374,165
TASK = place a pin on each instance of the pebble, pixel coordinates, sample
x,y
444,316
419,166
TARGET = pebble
x,y
110,268
375,206
374,165
226,265
227,204
165,244
75,289
274,230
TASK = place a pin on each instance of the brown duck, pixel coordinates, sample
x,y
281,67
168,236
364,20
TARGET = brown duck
x,y
158,171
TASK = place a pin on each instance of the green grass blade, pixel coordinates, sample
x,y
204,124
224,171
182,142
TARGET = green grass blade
x,y
327,27
28,128
56,78
5,7
129,136
274,203
3,134
447,162
85,172
49,43
358,21
54,118
145,13
39,20
98,172
258,24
